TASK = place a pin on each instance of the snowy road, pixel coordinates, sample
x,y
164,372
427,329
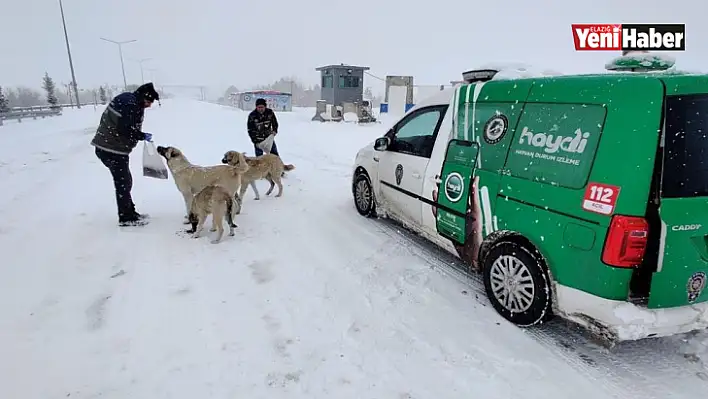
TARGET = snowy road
x,y
308,300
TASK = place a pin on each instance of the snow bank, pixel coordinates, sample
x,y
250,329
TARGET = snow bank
x,y
350,117
628,321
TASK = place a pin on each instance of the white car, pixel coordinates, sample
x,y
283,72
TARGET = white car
x,y
397,175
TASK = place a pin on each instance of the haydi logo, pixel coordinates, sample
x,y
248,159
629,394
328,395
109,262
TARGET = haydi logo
x,y
551,144
629,37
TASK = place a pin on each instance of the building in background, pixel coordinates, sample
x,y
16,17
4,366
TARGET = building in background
x,y
342,92
276,100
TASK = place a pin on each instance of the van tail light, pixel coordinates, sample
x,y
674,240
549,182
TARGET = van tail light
x,y
626,241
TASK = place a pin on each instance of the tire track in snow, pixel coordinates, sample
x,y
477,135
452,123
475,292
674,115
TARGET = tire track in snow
x,y
646,369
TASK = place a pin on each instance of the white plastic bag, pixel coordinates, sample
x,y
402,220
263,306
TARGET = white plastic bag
x,y
266,144
152,162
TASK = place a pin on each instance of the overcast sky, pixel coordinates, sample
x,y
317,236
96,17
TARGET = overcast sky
x,y
221,42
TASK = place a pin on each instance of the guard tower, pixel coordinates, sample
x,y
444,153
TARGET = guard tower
x,y
342,83
342,91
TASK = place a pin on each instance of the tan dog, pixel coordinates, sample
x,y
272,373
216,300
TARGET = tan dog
x,y
191,179
215,201
267,166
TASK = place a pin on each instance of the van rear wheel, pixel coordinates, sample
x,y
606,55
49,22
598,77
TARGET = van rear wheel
x,y
517,284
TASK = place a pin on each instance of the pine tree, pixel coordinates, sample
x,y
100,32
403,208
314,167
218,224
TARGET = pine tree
x,y
102,95
48,86
4,103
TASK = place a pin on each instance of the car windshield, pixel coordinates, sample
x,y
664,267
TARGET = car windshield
x,y
685,146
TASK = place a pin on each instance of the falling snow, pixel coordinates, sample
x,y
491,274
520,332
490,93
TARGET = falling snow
x,y
307,300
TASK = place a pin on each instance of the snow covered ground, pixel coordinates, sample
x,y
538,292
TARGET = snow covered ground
x,y
308,300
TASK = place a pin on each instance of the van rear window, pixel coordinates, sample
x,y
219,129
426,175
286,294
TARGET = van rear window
x,y
685,146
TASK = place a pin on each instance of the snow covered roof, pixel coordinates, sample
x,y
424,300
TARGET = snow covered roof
x,y
440,98
516,70
641,62
265,92
343,66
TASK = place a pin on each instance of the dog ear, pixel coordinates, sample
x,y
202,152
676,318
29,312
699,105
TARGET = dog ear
x,y
240,163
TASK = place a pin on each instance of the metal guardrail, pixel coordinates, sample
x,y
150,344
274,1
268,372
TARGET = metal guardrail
x,y
19,113
34,112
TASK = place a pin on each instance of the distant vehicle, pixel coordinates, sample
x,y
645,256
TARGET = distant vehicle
x,y
581,196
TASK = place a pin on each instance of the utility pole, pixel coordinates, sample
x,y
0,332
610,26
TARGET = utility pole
x,y
120,52
152,76
68,52
142,73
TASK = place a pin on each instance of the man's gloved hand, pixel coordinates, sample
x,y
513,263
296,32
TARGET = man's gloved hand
x,y
148,136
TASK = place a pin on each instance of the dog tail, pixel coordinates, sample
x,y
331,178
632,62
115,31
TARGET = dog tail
x,y
289,166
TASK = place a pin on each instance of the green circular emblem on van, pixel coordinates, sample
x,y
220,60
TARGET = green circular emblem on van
x,y
454,187
495,128
696,285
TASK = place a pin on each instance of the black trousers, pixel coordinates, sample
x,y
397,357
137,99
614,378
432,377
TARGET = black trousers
x,y
119,166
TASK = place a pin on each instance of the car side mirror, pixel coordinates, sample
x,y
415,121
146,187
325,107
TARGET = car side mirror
x,y
382,143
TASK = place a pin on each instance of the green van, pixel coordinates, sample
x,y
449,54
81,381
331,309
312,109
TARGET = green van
x,y
584,197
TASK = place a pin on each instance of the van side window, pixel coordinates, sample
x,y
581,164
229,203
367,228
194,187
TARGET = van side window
x,y
415,135
556,143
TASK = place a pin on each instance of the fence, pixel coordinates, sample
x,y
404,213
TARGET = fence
x,y
34,112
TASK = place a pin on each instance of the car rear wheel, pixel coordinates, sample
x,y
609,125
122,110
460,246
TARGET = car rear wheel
x,y
517,284
364,196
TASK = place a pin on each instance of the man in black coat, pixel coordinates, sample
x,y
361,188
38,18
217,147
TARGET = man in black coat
x,y
261,124
117,135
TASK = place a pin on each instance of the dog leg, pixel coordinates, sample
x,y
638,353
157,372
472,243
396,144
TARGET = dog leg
x,y
194,221
280,187
230,212
213,224
236,207
220,229
272,185
255,190
240,194
200,227
188,197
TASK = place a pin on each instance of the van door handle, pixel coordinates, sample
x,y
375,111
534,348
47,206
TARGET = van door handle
x,y
376,159
416,175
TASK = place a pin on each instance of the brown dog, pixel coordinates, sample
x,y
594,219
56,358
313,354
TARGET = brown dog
x,y
218,202
191,179
267,166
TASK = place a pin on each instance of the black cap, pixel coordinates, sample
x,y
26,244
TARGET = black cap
x,y
148,92
260,101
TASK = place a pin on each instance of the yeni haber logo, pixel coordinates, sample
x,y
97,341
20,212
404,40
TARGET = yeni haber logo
x,y
629,37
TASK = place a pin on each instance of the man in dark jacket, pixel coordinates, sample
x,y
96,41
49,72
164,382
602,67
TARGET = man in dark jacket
x,y
261,124
117,135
